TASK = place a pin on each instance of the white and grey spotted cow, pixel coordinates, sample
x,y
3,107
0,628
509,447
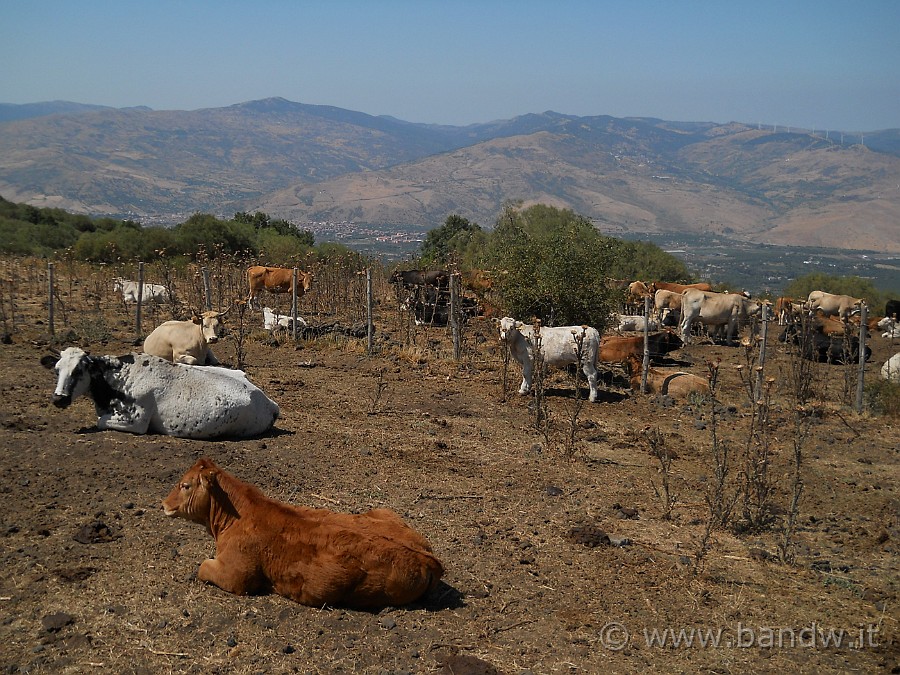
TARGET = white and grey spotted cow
x,y
141,393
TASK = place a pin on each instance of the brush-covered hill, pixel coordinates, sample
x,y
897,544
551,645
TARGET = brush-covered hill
x,y
311,163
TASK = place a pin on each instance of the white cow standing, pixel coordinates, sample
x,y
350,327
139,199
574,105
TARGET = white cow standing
x,y
715,309
139,393
558,348
187,341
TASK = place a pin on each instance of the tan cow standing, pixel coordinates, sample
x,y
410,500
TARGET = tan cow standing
x,y
313,556
276,280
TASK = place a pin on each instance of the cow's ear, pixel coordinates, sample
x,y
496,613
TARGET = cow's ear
x,y
495,321
209,477
197,319
49,361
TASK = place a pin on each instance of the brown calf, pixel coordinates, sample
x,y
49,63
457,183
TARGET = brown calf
x,y
313,556
617,349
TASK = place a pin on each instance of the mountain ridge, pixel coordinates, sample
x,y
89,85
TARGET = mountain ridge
x,y
310,163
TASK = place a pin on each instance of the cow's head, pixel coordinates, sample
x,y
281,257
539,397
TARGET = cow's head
x,y
509,327
211,325
306,279
190,498
118,284
74,378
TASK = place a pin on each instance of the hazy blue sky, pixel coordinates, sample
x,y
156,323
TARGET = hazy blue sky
x,y
819,64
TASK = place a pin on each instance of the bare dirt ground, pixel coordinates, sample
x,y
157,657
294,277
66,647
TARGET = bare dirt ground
x,y
96,579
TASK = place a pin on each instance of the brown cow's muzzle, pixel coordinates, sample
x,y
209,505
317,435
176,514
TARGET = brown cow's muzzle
x,y
61,401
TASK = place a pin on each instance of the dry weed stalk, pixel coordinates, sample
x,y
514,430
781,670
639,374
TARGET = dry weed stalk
x,y
664,456
756,487
377,392
577,404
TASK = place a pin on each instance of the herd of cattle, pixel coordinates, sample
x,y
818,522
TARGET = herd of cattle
x,y
374,559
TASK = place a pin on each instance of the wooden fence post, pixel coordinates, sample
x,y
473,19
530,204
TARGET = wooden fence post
x,y
294,275
370,322
454,314
762,351
140,298
207,289
50,275
863,316
645,364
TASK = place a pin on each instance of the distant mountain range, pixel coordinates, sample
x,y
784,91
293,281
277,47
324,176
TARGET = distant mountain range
x,y
311,163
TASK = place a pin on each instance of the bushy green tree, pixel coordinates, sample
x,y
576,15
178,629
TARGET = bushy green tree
x,y
204,232
644,260
551,264
456,241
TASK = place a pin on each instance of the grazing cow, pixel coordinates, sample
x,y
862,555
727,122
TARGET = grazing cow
x,y
276,280
558,348
187,341
313,556
675,384
150,293
890,371
715,309
892,310
411,278
273,320
140,393
833,305
815,346
634,323
678,288
617,348
666,302
890,327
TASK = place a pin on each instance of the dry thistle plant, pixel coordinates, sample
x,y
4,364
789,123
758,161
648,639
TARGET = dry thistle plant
x,y
664,456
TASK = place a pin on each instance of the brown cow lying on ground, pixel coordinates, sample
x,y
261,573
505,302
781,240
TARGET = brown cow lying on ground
x,y
676,384
616,349
313,556
276,280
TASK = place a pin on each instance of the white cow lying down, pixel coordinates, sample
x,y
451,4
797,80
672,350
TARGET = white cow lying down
x,y
141,393
558,348
272,320
891,328
890,371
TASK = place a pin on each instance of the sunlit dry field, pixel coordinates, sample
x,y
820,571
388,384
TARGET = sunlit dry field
x,y
96,579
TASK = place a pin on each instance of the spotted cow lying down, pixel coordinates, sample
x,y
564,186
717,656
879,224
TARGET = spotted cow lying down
x,y
140,393
315,557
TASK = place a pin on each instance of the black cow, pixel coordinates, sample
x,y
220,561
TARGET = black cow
x,y
431,306
892,309
413,278
815,346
